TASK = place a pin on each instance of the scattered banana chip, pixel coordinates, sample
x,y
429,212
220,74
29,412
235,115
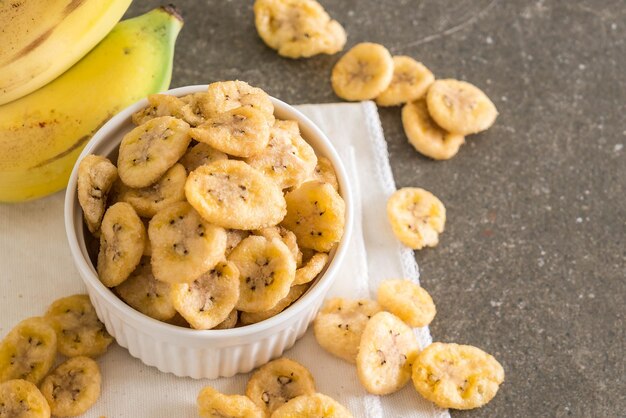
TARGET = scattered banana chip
x,y
288,237
316,214
411,80
325,172
339,325
457,376
213,404
96,175
311,269
288,159
426,136
21,399
364,72
149,150
73,387
201,154
242,132
28,351
234,195
79,331
294,294
417,217
229,322
277,382
169,189
184,245
122,241
315,405
460,107
166,105
408,301
266,271
298,28
223,96
146,294
386,353
209,300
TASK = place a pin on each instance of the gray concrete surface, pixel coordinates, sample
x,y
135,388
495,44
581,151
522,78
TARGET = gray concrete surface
x,y
531,266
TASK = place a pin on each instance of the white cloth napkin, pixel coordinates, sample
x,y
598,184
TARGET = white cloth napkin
x,y
36,268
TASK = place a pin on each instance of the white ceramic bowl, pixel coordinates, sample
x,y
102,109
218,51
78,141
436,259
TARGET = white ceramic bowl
x,y
187,352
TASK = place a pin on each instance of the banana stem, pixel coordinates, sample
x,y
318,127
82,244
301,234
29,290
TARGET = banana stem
x,y
172,10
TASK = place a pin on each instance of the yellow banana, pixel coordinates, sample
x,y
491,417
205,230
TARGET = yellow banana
x,y
42,134
43,38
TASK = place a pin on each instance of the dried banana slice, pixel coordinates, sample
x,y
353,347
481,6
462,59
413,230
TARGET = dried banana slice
x,y
411,80
230,321
311,269
146,294
266,271
148,200
73,387
386,353
28,351
298,28
277,382
96,175
241,132
363,72
426,136
325,172
213,404
288,159
184,245
233,238
457,376
288,237
166,105
408,301
315,405
294,294
21,399
340,323
122,241
223,96
208,300
417,217
460,107
79,331
195,101
201,154
316,214
234,195
150,149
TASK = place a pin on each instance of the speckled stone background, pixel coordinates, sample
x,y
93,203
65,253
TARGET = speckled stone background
x,y
532,265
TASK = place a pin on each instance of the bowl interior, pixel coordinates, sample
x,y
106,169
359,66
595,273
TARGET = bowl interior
x,y
106,141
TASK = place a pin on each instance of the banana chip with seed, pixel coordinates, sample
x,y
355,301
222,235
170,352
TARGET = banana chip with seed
x,y
364,72
457,376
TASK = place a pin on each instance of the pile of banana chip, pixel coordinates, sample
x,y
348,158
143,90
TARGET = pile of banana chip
x,y
28,354
217,213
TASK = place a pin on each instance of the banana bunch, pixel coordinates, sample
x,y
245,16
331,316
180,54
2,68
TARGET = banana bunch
x,y
42,133
42,39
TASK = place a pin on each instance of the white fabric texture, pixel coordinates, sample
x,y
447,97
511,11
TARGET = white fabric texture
x,y
36,268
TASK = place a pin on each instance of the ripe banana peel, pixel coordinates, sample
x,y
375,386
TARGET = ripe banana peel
x,y
43,38
42,134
